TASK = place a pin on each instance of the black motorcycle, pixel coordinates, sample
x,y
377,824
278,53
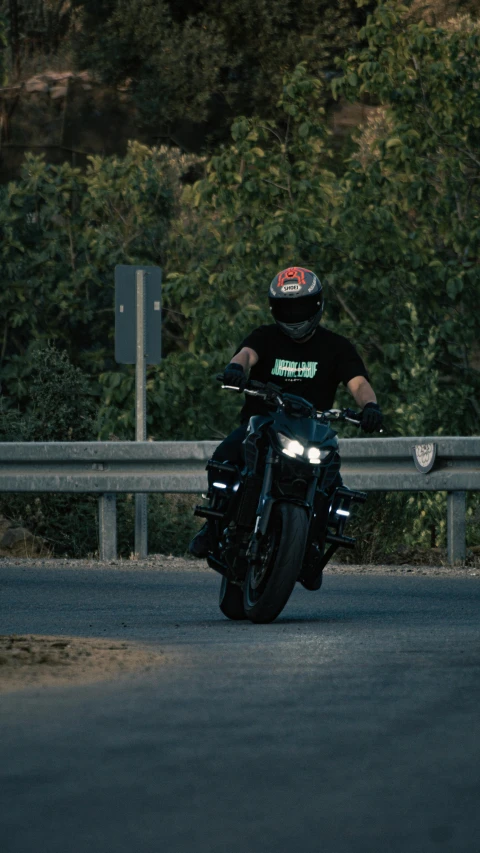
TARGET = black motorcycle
x,y
280,518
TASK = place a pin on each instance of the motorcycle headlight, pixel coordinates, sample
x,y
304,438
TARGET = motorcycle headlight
x,y
291,447
316,455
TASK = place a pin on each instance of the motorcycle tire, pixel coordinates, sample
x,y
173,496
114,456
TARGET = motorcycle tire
x,y
270,582
231,600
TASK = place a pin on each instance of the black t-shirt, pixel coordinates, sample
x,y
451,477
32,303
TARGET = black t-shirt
x,y
312,370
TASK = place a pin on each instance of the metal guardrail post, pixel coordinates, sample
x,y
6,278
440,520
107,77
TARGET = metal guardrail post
x,y
107,526
141,533
456,512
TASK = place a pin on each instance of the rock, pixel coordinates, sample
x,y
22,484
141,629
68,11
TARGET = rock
x,y
64,110
59,76
36,84
59,91
19,542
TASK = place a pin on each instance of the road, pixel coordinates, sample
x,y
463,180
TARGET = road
x,y
350,725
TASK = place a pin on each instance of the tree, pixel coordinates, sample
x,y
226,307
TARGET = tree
x,y
62,234
3,44
263,205
395,240
35,27
194,66
408,227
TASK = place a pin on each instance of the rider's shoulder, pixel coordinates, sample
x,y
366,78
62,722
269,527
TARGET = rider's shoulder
x,y
265,329
334,337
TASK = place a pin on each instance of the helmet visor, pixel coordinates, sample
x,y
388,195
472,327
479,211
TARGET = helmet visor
x,y
296,310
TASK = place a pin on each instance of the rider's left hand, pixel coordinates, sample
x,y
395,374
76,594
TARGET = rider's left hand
x,y
372,418
234,376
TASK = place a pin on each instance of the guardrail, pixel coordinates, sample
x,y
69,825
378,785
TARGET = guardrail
x,y
438,463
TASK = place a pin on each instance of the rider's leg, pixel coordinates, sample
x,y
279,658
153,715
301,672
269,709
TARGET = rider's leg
x,y
230,450
312,579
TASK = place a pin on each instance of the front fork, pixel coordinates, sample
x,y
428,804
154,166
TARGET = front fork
x,y
266,502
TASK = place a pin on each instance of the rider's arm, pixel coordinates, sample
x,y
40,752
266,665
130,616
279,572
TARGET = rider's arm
x,y
247,357
361,391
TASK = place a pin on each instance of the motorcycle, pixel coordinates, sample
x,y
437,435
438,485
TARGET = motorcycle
x,y
280,517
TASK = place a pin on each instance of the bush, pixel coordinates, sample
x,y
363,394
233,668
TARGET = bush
x,y
171,523
394,527
61,409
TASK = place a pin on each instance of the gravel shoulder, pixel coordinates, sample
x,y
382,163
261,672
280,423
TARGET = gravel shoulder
x,y
167,562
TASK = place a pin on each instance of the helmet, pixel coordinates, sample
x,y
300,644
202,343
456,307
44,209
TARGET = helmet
x,y
296,301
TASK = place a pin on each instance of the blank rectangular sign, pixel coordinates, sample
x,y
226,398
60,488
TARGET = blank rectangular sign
x,y
125,313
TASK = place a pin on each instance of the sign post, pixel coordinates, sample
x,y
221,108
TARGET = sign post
x,y
141,508
138,329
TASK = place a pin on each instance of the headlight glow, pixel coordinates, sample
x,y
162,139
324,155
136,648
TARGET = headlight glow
x,y
316,455
290,447
293,448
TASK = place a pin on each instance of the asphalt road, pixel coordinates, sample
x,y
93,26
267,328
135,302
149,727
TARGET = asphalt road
x,y
350,725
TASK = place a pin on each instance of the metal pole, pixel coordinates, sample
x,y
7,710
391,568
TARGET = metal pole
x,y
141,544
456,508
107,526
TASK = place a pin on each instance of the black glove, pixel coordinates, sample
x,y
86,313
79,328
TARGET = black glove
x,y
234,375
372,418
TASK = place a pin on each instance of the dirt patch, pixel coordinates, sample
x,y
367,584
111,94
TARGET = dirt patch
x,y
43,661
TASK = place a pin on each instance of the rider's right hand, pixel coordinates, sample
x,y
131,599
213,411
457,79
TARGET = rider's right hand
x,y
234,375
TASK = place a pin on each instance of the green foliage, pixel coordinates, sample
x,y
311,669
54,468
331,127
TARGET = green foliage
x,y
41,24
183,400
61,409
261,205
395,237
401,527
171,524
61,403
408,225
3,44
206,63
250,215
63,232
392,525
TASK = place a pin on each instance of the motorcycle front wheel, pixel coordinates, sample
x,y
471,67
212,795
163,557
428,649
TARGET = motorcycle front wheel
x,y
270,580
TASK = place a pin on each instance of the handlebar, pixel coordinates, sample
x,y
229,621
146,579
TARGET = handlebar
x,y
274,394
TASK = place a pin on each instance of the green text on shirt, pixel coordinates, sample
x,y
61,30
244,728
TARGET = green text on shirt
x,y
297,369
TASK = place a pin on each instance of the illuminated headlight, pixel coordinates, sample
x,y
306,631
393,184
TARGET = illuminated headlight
x,y
290,447
294,448
220,485
316,455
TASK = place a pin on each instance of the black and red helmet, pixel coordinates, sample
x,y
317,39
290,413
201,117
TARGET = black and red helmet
x,y
296,301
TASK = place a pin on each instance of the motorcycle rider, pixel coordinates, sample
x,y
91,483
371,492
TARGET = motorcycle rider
x,y
301,357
